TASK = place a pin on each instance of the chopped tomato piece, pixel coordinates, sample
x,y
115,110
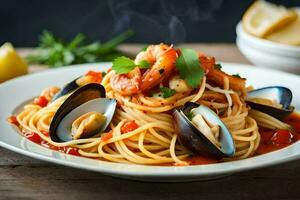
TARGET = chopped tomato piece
x,y
13,120
129,126
46,133
107,136
41,101
71,151
282,137
34,137
96,77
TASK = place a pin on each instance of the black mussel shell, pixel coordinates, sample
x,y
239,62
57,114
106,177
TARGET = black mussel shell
x,y
66,89
80,96
193,139
280,94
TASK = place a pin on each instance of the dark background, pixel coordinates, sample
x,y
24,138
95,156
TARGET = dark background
x,y
21,22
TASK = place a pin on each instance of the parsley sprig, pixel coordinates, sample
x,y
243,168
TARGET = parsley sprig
x,y
167,92
237,75
218,66
55,52
123,65
190,115
189,67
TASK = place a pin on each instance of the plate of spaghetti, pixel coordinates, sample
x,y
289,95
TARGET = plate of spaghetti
x,y
169,114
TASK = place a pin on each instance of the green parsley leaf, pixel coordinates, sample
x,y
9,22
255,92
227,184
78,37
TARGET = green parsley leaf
x,y
167,92
144,48
236,75
123,65
144,64
189,67
218,66
103,74
190,115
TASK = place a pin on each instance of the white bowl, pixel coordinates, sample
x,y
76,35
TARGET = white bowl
x,y
266,53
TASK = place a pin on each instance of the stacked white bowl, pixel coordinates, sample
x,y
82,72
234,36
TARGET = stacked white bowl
x,y
265,53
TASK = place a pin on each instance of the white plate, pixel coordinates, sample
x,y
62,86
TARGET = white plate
x,y
15,92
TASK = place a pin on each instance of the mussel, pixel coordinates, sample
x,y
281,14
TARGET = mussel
x,y
195,124
274,100
69,87
86,100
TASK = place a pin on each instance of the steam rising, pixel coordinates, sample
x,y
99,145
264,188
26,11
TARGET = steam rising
x,y
161,20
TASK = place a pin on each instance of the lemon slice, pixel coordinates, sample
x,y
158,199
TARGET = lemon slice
x,y
263,18
11,64
289,34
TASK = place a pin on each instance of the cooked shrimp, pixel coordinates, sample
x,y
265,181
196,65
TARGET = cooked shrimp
x,y
235,83
162,58
217,76
127,84
207,62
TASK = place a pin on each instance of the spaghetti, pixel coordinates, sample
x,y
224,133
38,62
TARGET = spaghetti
x,y
151,138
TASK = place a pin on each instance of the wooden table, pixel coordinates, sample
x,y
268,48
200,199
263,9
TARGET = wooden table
x,y
22,177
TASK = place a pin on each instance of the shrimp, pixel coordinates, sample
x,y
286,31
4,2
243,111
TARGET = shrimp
x,y
127,84
207,62
217,76
162,59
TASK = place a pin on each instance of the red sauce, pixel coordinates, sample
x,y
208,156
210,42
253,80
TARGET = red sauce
x,y
272,140
13,120
129,126
41,101
201,160
34,137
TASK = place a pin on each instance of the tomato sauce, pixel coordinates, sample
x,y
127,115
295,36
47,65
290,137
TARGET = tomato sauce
x,y
201,160
34,137
272,140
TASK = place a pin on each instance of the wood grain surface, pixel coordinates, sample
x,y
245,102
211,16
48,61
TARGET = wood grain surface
x,y
22,177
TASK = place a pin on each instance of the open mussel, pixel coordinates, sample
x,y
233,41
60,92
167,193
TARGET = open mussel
x,y
202,131
69,87
274,100
84,113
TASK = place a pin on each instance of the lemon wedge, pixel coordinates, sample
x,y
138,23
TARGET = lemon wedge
x,y
11,64
263,18
289,34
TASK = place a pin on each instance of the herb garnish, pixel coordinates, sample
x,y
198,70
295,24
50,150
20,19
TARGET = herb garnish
x,y
56,52
123,65
144,64
167,92
218,66
103,74
190,115
236,75
144,48
189,67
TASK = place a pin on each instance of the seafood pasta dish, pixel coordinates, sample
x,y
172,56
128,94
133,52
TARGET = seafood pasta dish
x,y
167,106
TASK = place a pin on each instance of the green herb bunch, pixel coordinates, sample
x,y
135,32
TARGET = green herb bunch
x,y
55,52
